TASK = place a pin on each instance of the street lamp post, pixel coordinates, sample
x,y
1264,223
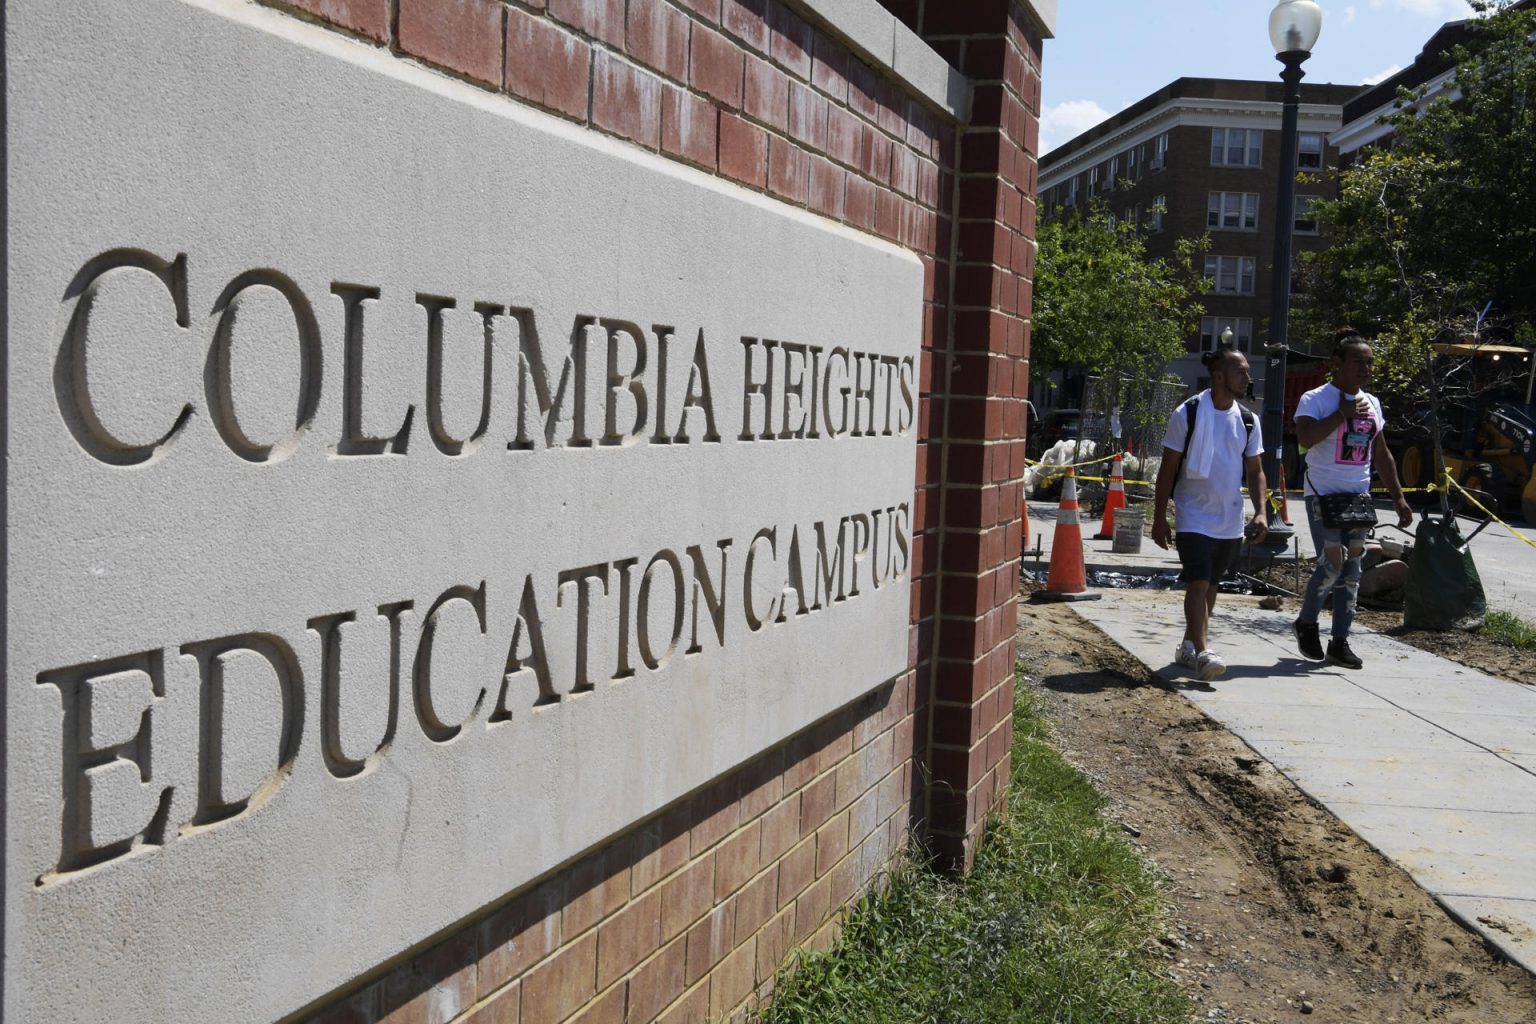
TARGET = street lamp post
x,y
1294,26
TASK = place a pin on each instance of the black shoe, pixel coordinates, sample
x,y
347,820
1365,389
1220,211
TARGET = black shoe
x,y
1340,654
1307,640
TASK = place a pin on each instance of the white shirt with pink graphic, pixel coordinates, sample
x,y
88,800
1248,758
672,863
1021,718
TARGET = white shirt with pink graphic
x,y
1341,462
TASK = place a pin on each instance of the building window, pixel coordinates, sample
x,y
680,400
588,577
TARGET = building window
x,y
1236,147
1212,326
1093,180
1160,152
1130,216
1159,207
1133,163
1233,211
1232,275
1114,173
1306,221
1309,151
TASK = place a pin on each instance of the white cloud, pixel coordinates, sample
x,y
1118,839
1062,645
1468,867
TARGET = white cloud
x,y
1065,121
1382,75
1349,15
1443,10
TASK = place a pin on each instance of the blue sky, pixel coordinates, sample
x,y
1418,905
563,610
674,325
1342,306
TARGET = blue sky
x,y
1108,54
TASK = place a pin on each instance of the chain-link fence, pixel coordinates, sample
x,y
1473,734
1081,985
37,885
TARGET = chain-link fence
x,y
1129,415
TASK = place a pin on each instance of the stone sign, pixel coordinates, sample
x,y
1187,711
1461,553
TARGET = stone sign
x,y
406,491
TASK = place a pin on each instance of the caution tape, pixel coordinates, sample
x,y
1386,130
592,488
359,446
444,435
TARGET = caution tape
x,y
1299,493
1108,480
1073,465
1507,528
1431,489
1056,470
1274,492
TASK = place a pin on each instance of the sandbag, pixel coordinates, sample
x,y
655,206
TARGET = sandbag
x,y
1444,590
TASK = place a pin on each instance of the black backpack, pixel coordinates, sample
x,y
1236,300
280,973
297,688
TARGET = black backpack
x,y
1191,408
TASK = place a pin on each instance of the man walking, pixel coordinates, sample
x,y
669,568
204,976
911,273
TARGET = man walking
x,y
1212,443
1341,427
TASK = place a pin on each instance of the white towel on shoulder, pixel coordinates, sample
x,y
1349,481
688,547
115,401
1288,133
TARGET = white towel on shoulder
x,y
1200,450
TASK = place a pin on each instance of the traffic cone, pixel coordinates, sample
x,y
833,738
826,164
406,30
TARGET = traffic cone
x,y
1113,500
1067,580
1285,506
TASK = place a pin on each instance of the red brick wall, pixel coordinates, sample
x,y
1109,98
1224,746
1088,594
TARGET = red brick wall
x,y
977,430
687,916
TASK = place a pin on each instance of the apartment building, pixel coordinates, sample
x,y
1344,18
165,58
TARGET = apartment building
x,y
1432,70
1202,155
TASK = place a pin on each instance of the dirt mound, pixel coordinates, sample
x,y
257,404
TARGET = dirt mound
x,y
1279,909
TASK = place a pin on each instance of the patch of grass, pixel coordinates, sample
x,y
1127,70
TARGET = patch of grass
x,y
1505,628
1057,922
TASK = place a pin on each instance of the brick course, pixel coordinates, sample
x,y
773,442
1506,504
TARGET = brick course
x,y
461,35
546,65
368,18
661,73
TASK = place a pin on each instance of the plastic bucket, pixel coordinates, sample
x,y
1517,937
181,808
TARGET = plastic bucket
x,y
1128,526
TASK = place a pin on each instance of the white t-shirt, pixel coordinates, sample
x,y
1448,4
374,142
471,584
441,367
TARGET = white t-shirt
x,y
1341,462
1214,506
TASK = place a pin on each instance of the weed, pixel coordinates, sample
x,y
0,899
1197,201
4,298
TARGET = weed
x,y
1505,628
1057,921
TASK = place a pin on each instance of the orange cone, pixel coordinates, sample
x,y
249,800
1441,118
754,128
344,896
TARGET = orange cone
x,y
1285,506
1067,579
1113,500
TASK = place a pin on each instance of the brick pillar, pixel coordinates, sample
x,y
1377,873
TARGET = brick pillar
x,y
980,381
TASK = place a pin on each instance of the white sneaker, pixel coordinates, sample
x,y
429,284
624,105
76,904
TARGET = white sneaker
x,y
1186,655
1210,665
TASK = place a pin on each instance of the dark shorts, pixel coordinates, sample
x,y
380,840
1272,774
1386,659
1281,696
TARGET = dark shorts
x,y
1205,558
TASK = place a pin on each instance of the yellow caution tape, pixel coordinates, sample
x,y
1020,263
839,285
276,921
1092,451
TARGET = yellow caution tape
x,y
1507,528
1107,480
1063,466
1061,470
1298,493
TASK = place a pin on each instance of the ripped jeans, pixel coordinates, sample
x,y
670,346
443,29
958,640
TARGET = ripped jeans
x,y
1338,570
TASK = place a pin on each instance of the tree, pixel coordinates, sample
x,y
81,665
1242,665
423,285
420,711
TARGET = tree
x,y
1103,306
1433,239
1442,223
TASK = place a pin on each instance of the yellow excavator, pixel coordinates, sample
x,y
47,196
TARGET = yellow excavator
x,y
1489,448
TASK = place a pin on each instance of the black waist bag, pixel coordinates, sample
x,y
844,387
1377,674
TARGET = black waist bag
x,y
1346,511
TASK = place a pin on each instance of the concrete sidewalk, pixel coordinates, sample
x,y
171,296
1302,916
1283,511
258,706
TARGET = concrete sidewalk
x,y
1432,763
1506,564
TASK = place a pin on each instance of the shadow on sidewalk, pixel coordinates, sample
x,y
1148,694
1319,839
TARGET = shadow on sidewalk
x,y
1177,677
